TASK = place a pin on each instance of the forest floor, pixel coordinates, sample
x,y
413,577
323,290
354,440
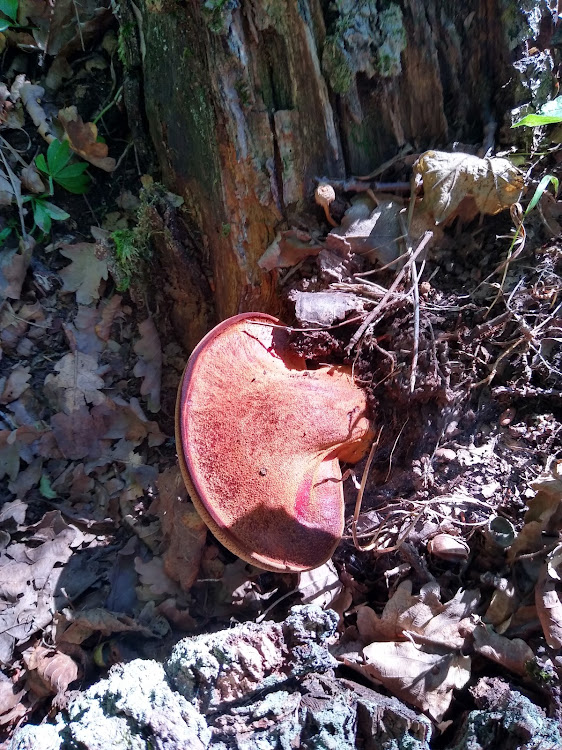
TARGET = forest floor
x,y
457,551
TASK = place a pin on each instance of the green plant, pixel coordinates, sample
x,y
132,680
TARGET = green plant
x,y
8,8
127,256
56,167
548,114
44,212
519,219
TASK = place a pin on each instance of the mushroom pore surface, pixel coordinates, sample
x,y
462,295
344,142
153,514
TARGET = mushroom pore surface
x,y
259,441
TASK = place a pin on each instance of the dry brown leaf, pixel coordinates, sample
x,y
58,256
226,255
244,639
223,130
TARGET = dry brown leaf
x,y
108,310
31,95
13,267
424,676
155,582
29,578
6,190
491,184
85,273
184,531
50,671
325,308
548,598
149,366
77,435
544,515
16,384
320,585
11,706
79,379
287,249
369,230
82,139
426,668
511,653
83,624
31,179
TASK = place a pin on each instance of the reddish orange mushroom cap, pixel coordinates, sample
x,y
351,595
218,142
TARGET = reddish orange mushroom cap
x,y
259,441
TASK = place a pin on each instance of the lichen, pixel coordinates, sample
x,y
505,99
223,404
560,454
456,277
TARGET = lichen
x,y
367,37
218,14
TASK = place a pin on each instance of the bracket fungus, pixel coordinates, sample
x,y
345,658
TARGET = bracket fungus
x,y
259,440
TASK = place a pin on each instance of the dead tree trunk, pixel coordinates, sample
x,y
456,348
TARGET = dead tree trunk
x,y
247,101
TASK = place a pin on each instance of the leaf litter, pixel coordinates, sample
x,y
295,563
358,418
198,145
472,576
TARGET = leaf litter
x,y
95,518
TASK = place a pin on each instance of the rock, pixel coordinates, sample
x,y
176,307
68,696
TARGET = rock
x,y
269,686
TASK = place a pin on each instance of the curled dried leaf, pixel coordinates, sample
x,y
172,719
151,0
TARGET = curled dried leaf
x,y
82,137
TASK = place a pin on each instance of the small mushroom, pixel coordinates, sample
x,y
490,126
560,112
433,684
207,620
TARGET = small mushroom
x,y
324,195
259,440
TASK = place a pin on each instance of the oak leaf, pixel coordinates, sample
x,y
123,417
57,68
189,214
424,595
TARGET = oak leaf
x,y
85,273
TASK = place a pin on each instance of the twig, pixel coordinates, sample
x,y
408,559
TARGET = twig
x,y
373,314
416,346
359,499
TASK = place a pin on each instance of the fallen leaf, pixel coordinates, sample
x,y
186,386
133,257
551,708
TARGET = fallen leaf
x,y
77,435
79,379
493,184
155,582
82,137
184,531
369,230
81,625
423,676
13,268
7,194
16,384
31,179
11,707
149,366
325,308
511,653
85,273
423,662
548,598
320,585
287,249
50,672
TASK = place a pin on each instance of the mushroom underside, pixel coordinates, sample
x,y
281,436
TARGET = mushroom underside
x,y
261,438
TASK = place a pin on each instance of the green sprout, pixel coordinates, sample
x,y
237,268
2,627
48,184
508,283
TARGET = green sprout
x,y
8,8
56,167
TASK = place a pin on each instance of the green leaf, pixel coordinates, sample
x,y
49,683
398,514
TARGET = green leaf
x,y
77,185
9,8
41,164
58,154
541,187
41,216
4,24
45,488
548,114
73,170
56,213
4,234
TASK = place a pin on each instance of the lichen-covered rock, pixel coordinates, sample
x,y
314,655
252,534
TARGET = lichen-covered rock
x,y
133,709
508,720
216,670
254,687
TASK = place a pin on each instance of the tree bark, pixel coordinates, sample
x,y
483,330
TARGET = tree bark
x,y
248,101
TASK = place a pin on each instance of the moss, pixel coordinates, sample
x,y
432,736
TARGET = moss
x,y
337,66
393,41
132,249
218,14
366,37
